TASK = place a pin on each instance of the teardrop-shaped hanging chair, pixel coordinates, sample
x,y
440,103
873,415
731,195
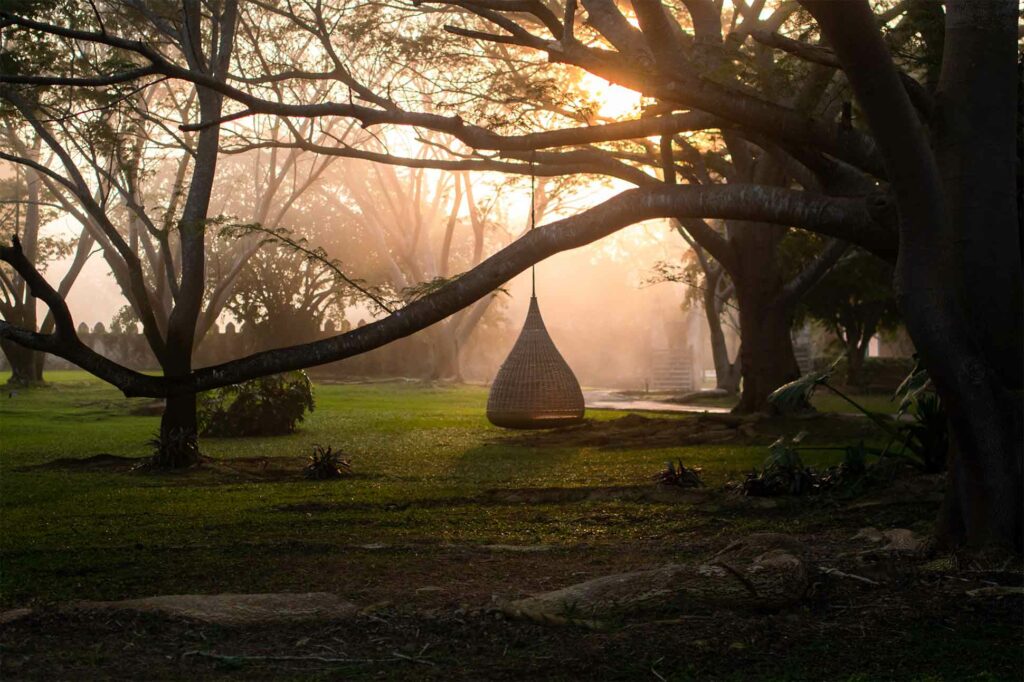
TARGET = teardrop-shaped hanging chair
x,y
534,389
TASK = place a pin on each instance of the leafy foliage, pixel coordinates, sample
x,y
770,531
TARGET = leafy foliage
x,y
325,464
783,472
853,301
124,321
298,245
268,406
923,439
926,436
795,396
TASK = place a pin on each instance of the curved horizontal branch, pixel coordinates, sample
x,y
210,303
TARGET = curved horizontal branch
x,y
82,82
845,218
547,164
474,136
64,342
848,219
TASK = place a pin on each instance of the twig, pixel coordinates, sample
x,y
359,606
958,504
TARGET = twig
x,y
414,659
840,574
317,659
739,576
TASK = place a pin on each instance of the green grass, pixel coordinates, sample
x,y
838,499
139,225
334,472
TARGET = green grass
x,y
410,445
427,450
412,516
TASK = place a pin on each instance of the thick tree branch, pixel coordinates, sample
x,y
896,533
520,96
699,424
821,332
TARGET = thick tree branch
x,y
795,289
845,218
64,342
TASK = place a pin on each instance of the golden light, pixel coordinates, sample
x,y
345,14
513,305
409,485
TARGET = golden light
x,y
609,100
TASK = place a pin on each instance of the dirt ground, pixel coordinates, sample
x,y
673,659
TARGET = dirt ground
x,y
870,613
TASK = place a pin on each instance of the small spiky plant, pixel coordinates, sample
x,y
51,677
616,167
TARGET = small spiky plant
x,y
175,450
680,476
325,464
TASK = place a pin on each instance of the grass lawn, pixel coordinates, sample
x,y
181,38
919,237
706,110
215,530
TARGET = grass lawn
x,y
418,514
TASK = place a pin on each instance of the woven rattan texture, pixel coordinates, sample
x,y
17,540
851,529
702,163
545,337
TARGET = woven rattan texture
x,y
535,388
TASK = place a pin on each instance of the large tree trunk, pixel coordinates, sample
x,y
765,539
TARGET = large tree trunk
x,y
178,446
26,364
958,277
179,434
975,136
767,359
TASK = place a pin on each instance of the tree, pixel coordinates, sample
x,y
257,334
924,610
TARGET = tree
x,y
854,302
711,289
285,297
104,139
146,192
948,215
25,210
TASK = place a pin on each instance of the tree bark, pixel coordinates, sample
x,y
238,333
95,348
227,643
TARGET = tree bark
x,y
956,327
178,446
855,364
26,364
767,360
727,372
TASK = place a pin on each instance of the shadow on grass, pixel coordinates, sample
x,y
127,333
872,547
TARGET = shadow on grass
x,y
498,463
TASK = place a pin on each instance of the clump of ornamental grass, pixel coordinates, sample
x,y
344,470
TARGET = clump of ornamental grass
x,y
676,474
326,464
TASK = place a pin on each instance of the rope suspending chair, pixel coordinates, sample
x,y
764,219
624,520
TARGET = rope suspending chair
x,y
535,388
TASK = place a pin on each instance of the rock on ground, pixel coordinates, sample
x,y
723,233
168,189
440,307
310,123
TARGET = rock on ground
x,y
762,571
237,609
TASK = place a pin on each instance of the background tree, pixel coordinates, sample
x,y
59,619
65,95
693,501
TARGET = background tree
x,y
284,298
854,302
708,287
25,209
950,214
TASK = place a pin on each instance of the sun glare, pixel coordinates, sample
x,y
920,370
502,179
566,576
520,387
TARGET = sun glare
x,y
610,100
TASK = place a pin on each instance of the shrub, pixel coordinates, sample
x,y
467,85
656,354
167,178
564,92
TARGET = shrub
x,y
268,406
177,449
326,464
783,472
921,441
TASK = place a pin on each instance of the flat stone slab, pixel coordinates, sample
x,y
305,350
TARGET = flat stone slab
x,y
237,609
13,615
521,549
764,571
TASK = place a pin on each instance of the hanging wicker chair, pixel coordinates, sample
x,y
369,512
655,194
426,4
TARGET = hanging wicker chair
x,y
534,389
